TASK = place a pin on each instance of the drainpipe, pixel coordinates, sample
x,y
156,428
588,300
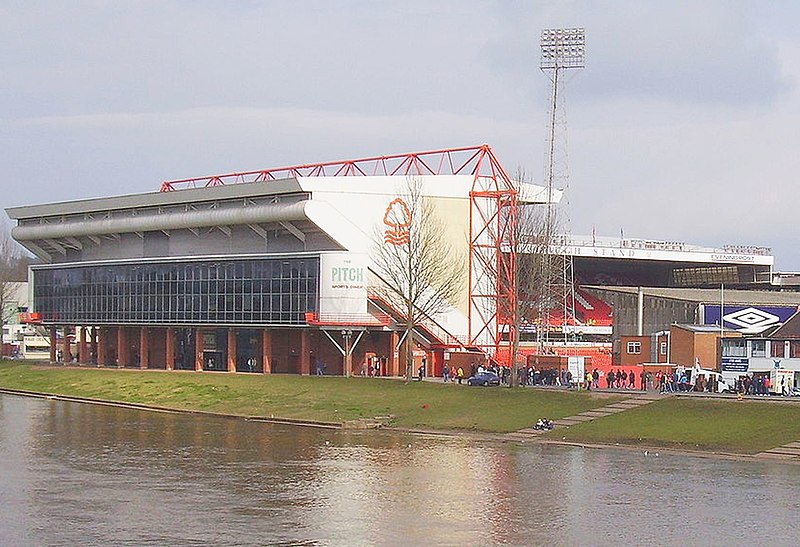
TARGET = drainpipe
x,y
640,314
656,336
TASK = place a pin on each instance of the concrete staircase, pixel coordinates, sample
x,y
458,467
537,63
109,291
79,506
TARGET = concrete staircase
x,y
787,452
603,411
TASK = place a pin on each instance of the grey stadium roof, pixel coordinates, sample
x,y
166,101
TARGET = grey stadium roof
x,y
155,199
732,296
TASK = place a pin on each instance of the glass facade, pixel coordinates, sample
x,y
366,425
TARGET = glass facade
x,y
705,275
264,291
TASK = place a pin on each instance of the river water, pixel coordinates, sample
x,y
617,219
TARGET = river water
x,y
80,474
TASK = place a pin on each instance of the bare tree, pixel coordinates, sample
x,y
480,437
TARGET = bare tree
x,y
539,269
416,262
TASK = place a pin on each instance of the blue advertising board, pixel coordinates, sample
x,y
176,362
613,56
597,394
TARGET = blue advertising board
x,y
748,319
735,364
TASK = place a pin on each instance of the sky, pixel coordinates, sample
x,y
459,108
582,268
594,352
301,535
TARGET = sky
x,y
681,127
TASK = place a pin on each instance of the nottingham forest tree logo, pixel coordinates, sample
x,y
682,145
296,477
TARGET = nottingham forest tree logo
x,y
398,221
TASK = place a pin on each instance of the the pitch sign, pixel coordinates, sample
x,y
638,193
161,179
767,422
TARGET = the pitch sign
x,y
343,284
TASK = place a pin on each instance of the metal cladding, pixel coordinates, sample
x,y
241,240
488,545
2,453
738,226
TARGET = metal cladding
x,y
164,221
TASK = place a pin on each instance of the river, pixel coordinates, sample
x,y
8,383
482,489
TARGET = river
x,y
81,474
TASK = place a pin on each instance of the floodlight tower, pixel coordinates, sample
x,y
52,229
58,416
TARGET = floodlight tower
x,y
563,50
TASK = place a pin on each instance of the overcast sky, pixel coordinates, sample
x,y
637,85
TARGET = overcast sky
x,y
682,126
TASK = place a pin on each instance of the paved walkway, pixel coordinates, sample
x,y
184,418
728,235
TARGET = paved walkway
x,y
636,401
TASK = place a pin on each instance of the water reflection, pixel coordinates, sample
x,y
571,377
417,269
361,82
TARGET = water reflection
x,y
86,474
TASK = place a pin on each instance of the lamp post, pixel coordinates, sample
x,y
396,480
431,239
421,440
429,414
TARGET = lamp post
x,y
562,49
348,361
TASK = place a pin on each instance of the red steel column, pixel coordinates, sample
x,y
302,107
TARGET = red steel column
x,y
305,358
170,344
144,347
266,351
231,350
198,350
53,343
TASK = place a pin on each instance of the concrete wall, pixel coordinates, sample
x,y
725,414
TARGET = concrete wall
x,y
659,313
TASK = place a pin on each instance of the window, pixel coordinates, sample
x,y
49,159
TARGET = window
x,y
663,348
634,347
758,348
197,292
777,348
734,348
794,349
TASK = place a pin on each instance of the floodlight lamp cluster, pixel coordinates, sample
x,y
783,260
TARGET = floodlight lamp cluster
x,y
563,48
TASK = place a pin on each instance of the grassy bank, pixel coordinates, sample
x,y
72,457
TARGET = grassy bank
x,y
743,427
699,424
423,405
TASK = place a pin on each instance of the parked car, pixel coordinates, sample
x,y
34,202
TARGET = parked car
x,y
484,379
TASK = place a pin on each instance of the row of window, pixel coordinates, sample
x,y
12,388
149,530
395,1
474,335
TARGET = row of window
x,y
705,275
761,348
219,271
258,291
739,348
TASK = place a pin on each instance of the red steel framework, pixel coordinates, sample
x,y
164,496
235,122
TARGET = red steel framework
x,y
493,224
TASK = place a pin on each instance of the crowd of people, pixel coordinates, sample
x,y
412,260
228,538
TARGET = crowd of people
x,y
677,380
755,385
624,379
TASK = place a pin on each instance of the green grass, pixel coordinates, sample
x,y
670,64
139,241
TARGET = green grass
x,y
335,399
743,427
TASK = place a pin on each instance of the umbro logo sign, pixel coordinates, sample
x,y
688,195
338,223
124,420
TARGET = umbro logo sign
x,y
751,320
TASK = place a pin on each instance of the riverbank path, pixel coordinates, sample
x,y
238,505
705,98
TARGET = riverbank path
x,y
640,399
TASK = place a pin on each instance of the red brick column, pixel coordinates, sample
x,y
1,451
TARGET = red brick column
x,y
231,350
93,334
170,344
65,351
122,347
144,347
305,357
102,346
83,347
53,343
266,351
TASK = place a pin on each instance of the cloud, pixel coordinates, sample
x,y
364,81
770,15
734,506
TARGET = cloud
x,y
680,127
139,150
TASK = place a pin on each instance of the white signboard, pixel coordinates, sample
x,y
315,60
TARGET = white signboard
x,y
576,366
343,284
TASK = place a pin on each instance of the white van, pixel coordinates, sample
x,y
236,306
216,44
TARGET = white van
x,y
718,379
